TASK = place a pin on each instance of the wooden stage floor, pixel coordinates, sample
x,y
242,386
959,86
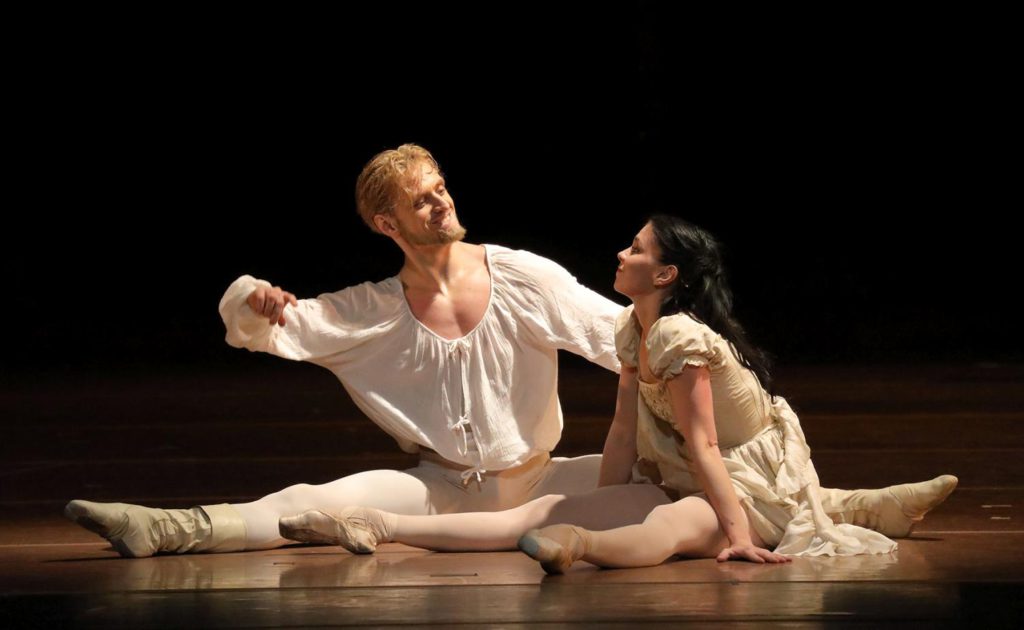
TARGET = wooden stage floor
x,y
178,439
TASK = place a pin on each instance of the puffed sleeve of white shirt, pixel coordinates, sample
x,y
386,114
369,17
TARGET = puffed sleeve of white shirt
x,y
315,329
558,310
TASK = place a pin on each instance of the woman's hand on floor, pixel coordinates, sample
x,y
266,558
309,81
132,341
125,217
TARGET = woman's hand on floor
x,y
751,553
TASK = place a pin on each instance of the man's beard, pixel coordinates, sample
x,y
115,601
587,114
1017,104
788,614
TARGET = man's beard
x,y
440,237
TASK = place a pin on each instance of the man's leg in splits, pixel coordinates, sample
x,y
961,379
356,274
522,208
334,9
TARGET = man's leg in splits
x,y
137,531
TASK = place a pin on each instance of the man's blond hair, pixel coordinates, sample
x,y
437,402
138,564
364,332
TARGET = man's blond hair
x,y
380,185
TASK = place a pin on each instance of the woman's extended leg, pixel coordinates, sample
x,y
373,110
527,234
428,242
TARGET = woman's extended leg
x,y
688,527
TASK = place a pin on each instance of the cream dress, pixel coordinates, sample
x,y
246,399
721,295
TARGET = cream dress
x,y
761,441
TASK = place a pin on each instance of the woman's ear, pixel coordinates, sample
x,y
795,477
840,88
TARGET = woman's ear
x,y
667,275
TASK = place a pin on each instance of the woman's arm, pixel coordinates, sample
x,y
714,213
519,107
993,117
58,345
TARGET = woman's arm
x,y
620,445
693,410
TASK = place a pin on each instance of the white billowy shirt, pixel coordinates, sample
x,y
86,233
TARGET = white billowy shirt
x,y
496,387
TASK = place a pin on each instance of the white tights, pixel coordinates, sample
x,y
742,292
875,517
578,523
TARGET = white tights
x,y
432,487
493,512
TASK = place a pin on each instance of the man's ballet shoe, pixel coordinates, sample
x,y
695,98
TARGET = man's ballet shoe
x,y
139,532
893,511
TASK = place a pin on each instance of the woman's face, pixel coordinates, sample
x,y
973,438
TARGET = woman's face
x,y
638,265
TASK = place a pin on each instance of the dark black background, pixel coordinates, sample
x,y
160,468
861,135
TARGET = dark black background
x,y
857,168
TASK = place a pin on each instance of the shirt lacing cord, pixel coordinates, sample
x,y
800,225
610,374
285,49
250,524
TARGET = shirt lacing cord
x,y
460,426
458,350
469,472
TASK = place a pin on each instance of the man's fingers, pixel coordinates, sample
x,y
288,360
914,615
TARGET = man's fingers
x,y
271,303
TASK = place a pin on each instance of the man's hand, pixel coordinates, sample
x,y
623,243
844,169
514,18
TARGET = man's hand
x,y
270,303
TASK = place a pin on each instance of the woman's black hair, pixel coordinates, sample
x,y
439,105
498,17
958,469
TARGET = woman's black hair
x,y
701,289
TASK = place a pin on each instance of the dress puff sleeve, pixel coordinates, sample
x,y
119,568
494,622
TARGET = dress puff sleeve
x,y
627,338
679,340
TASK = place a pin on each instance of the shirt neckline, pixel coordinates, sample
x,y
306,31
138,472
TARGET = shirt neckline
x,y
487,311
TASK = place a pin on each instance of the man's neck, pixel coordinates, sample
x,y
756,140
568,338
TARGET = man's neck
x,y
433,267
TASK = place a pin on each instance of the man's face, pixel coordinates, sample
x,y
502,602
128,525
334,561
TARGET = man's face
x,y
427,215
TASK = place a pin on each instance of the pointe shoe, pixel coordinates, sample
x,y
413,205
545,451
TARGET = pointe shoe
x,y
358,529
893,511
139,532
556,547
